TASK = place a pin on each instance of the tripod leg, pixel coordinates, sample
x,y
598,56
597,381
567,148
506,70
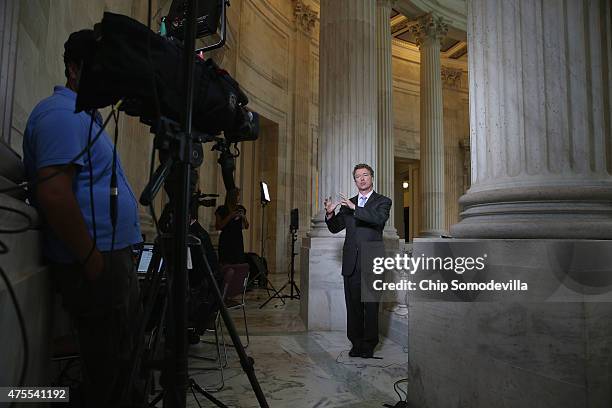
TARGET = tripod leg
x,y
275,295
148,297
245,361
157,398
224,346
217,329
246,327
195,386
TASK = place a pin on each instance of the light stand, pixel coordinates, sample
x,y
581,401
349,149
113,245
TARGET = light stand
x,y
265,199
291,282
263,223
269,285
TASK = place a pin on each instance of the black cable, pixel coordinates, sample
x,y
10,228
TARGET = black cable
x,y
24,335
363,362
29,225
91,180
113,211
151,206
405,392
114,192
194,396
34,183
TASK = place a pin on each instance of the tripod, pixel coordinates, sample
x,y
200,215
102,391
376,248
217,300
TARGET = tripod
x,y
174,364
291,282
276,293
155,273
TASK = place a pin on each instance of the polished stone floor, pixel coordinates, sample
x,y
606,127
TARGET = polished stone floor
x,y
296,368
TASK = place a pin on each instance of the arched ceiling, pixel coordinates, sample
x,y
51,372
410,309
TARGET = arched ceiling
x,y
406,12
454,12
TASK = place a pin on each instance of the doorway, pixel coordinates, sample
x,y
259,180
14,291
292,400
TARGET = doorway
x,y
258,162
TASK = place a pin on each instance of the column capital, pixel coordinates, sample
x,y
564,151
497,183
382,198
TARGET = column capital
x,y
429,27
451,76
386,3
305,17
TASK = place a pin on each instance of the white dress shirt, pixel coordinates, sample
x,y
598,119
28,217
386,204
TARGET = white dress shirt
x,y
361,202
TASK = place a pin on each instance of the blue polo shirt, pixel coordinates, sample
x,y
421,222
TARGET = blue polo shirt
x,y
54,135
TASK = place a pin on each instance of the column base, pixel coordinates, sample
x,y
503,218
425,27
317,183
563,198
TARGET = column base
x,y
390,233
514,354
322,304
432,234
537,212
318,227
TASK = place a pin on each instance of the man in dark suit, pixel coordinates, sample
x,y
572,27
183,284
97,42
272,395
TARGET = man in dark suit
x,y
364,217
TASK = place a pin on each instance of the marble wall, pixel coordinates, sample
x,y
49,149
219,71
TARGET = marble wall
x,y
32,288
273,60
548,351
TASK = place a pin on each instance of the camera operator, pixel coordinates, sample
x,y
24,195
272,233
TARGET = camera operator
x,y
198,273
231,220
90,261
203,304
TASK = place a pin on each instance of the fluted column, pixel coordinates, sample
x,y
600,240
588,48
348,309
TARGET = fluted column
x,y
385,176
347,136
429,31
540,120
305,19
347,96
456,128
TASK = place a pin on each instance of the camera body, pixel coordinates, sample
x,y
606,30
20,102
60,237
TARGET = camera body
x,y
133,63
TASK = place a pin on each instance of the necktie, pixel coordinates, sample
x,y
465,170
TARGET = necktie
x,y
362,201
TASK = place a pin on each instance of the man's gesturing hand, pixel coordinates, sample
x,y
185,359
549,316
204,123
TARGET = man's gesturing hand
x,y
330,206
346,202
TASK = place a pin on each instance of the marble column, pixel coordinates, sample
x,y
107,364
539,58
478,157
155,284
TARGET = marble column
x,y
540,206
305,19
347,93
429,30
384,179
456,127
540,118
347,134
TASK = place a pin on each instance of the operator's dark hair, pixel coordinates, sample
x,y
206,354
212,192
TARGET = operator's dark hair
x,y
79,47
363,166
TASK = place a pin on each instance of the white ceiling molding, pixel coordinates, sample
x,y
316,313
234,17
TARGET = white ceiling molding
x,y
454,12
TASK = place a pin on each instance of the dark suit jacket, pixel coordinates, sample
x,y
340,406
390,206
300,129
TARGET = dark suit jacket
x,y
363,225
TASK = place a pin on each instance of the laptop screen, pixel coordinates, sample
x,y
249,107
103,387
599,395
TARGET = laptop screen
x,y
145,258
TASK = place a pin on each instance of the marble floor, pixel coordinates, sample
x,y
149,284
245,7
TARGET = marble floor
x,y
296,368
